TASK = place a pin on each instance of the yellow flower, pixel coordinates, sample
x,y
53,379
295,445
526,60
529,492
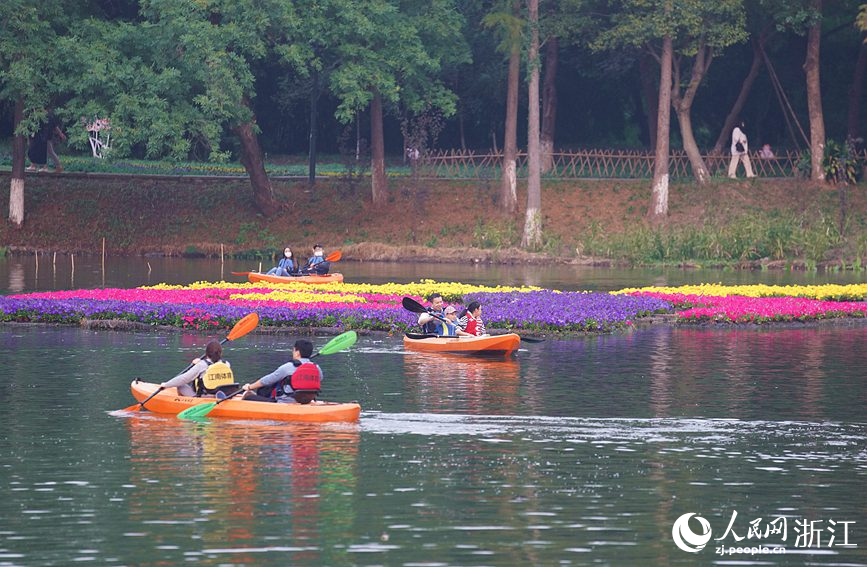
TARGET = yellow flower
x,y
827,292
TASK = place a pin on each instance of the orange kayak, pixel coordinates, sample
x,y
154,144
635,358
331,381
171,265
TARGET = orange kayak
x,y
168,401
328,278
487,344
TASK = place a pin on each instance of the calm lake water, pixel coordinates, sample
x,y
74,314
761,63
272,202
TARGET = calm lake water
x,y
50,272
578,451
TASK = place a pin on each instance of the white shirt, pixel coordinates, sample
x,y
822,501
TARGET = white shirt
x,y
739,136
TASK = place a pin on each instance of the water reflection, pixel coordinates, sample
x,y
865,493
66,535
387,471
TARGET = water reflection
x,y
16,277
127,272
242,489
439,382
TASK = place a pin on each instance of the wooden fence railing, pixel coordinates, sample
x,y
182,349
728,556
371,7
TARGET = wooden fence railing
x,y
603,164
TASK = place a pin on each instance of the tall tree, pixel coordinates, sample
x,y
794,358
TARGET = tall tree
x,y
659,190
393,52
28,37
510,26
533,222
856,91
814,94
694,31
549,103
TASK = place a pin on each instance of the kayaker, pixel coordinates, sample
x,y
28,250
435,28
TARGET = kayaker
x,y
431,322
285,266
451,323
297,381
471,322
316,264
206,376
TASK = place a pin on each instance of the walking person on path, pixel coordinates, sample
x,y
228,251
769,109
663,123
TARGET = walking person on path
x,y
740,152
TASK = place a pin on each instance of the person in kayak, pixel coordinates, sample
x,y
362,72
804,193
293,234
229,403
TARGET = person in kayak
x,y
451,323
471,321
431,322
285,266
316,264
297,381
207,376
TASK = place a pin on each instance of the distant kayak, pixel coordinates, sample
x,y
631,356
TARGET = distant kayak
x,y
326,279
168,401
488,344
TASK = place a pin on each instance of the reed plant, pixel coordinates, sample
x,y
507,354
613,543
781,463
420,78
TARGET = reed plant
x,y
750,237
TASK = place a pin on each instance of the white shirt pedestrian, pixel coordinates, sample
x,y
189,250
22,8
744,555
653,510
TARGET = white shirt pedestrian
x,y
740,152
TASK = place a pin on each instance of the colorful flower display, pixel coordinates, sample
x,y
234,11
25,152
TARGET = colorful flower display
x,y
732,304
206,305
829,292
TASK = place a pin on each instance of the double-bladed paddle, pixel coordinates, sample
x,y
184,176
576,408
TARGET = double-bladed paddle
x,y
337,344
411,304
241,328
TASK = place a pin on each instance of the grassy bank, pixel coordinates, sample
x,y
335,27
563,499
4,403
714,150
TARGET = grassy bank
x,y
762,222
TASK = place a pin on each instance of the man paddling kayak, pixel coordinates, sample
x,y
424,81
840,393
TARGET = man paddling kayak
x,y
297,381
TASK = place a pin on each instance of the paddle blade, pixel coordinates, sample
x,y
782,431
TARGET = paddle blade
x,y
242,274
334,256
340,342
200,410
411,304
243,326
134,407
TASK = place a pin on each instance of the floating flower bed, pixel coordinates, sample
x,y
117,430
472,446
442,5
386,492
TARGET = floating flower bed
x,y
758,303
206,305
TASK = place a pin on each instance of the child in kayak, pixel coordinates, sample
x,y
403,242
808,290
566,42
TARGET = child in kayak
x,y
471,321
297,381
451,323
285,266
207,376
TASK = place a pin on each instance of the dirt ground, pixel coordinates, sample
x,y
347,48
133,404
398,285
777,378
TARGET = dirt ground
x,y
432,220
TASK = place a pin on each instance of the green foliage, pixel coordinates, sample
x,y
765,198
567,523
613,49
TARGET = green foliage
x,y
841,163
748,238
495,234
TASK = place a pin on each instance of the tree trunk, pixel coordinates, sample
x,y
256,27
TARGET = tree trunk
x,y
254,163
461,126
509,181
16,188
379,183
659,193
314,120
549,104
533,224
731,120
683,106
814,96
650,95
856,92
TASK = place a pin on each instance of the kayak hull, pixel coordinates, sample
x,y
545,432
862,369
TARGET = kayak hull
x,y
488,344
168,401
326,279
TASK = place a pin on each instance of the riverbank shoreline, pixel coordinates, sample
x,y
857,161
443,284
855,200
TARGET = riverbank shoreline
x,y
756,224
380,252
